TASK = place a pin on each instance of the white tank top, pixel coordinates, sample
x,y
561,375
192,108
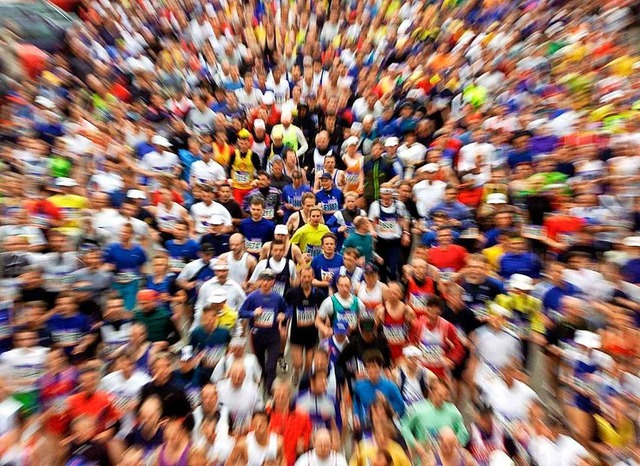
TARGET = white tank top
x,y
168,218
370,298
258,454
238,269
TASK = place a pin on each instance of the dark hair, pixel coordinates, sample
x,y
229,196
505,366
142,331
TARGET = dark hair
x,y
373,356
435,301
263,173
260,413
278,242
329,235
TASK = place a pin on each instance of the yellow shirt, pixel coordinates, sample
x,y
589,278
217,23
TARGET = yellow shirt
x,y
71,206
309,238
524,304
242,171
227,318
493,255
367,452
615,438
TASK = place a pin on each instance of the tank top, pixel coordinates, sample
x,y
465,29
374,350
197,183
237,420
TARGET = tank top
x,y
167,218
283,278
352,175
258,454
290,138
388,222
370,298
142,363
349,315
238,269
287,255
301,222
417,296
242,170
433,342
396,332
182,461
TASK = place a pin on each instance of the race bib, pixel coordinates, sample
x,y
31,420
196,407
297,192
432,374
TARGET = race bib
x,y
480,311
58,405
330,206
278,288
268,213
296,201
126,277
387,226
176,264
213,355
122,400
395,334
6,331
419,301
368,313
351,318
326,275
432,355
305,317
193,395
66,336
352,178
253,245
265,320
313,251
243,177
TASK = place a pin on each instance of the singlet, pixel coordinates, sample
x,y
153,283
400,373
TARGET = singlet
x,y
417,296
348,218
396,332
283,278
352,175
301,222
318,160
238,269
388,222
433,343
288,255
258,454
242,170
182,461
167,218
349,315
370,298
142,363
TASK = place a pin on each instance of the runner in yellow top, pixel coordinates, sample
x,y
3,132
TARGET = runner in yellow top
x,y
244,165
70,205
309,237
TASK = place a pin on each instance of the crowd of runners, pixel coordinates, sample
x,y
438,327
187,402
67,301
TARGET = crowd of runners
x,y
324,233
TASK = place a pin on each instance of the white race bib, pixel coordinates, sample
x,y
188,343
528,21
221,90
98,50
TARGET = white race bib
x,y
265,320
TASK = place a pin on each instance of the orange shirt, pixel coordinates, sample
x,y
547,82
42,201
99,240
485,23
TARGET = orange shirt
x,y
292,426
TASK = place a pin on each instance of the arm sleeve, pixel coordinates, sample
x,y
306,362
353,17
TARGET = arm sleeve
x,y
302,141
246,310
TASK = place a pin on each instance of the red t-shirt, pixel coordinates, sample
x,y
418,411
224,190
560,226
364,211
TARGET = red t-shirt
x,y
98,406
452,258
292,426
563,224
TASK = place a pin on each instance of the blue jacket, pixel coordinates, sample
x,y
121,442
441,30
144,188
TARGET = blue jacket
x,y
364,394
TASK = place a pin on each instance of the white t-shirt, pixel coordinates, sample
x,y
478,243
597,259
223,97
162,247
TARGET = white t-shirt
x,y
241,402
204,214
204,172
162,163
125,392
22,367
509,403
249,361
217,453
565,451
9,410
428,195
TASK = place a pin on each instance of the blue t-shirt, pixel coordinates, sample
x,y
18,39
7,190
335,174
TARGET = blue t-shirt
x,y
330,201
293,196
631,271
68,329
6,330
125,260
213,344
256,233
322,266
552,298
186,252
272,304
526,264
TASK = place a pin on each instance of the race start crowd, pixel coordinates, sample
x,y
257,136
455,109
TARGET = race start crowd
x,y
324,233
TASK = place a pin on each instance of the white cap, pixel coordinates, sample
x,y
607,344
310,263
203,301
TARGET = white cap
x,y
496,198
589,339
217,298
632,241
429,168
281,230
238,341
497,310
186,353
64,182
136,194
521,282
391,141
416,94
352,141
46,103
411,352
160,141
221,265
286,114
268,98
500,458
259,124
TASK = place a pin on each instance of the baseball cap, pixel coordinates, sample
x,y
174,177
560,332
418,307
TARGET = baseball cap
x,y
186,353
497,310
221,265
207,247
238,342
391,142
147,295
281,230
496,198
351,141
589,339
326,176
259,124
268,98
136,194
217,298
411,352
521,282
161,141
244,134
632,241
340,328
64,182
267,274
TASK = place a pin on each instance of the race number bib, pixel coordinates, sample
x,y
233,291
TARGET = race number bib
x,y
432,355
126,277
278,288
352,178
306,316
313,251
253,244
176,264
330,206
387,227
66,336
243,177
351,318
395,334
213,355
268,213
265,320
419,301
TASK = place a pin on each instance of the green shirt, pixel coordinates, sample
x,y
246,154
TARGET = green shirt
x,y
363,243
423,421
158,323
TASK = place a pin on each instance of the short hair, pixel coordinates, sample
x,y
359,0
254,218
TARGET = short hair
x,y
329,236
278,242
435,301
263,173
373,356
257,200
316,209
308,195
351,252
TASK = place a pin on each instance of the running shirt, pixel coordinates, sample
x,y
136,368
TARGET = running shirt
x,y
370,298
114,335
305,308
24,366
238,270
326,269
204,216
419,294
257,454
166,218
242,171
352,174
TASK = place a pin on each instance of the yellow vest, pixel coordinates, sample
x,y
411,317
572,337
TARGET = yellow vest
x,y
242,170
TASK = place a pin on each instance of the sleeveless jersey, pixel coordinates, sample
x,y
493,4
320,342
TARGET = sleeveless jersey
x,y
242,170
258,454
238,269
350,316
396,332
352,175
419,295
283,278
370,298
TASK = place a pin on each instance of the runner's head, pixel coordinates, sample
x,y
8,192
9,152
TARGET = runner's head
x,y
315,216
373,363
263,179
256,207
329,244
260,422
277,249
